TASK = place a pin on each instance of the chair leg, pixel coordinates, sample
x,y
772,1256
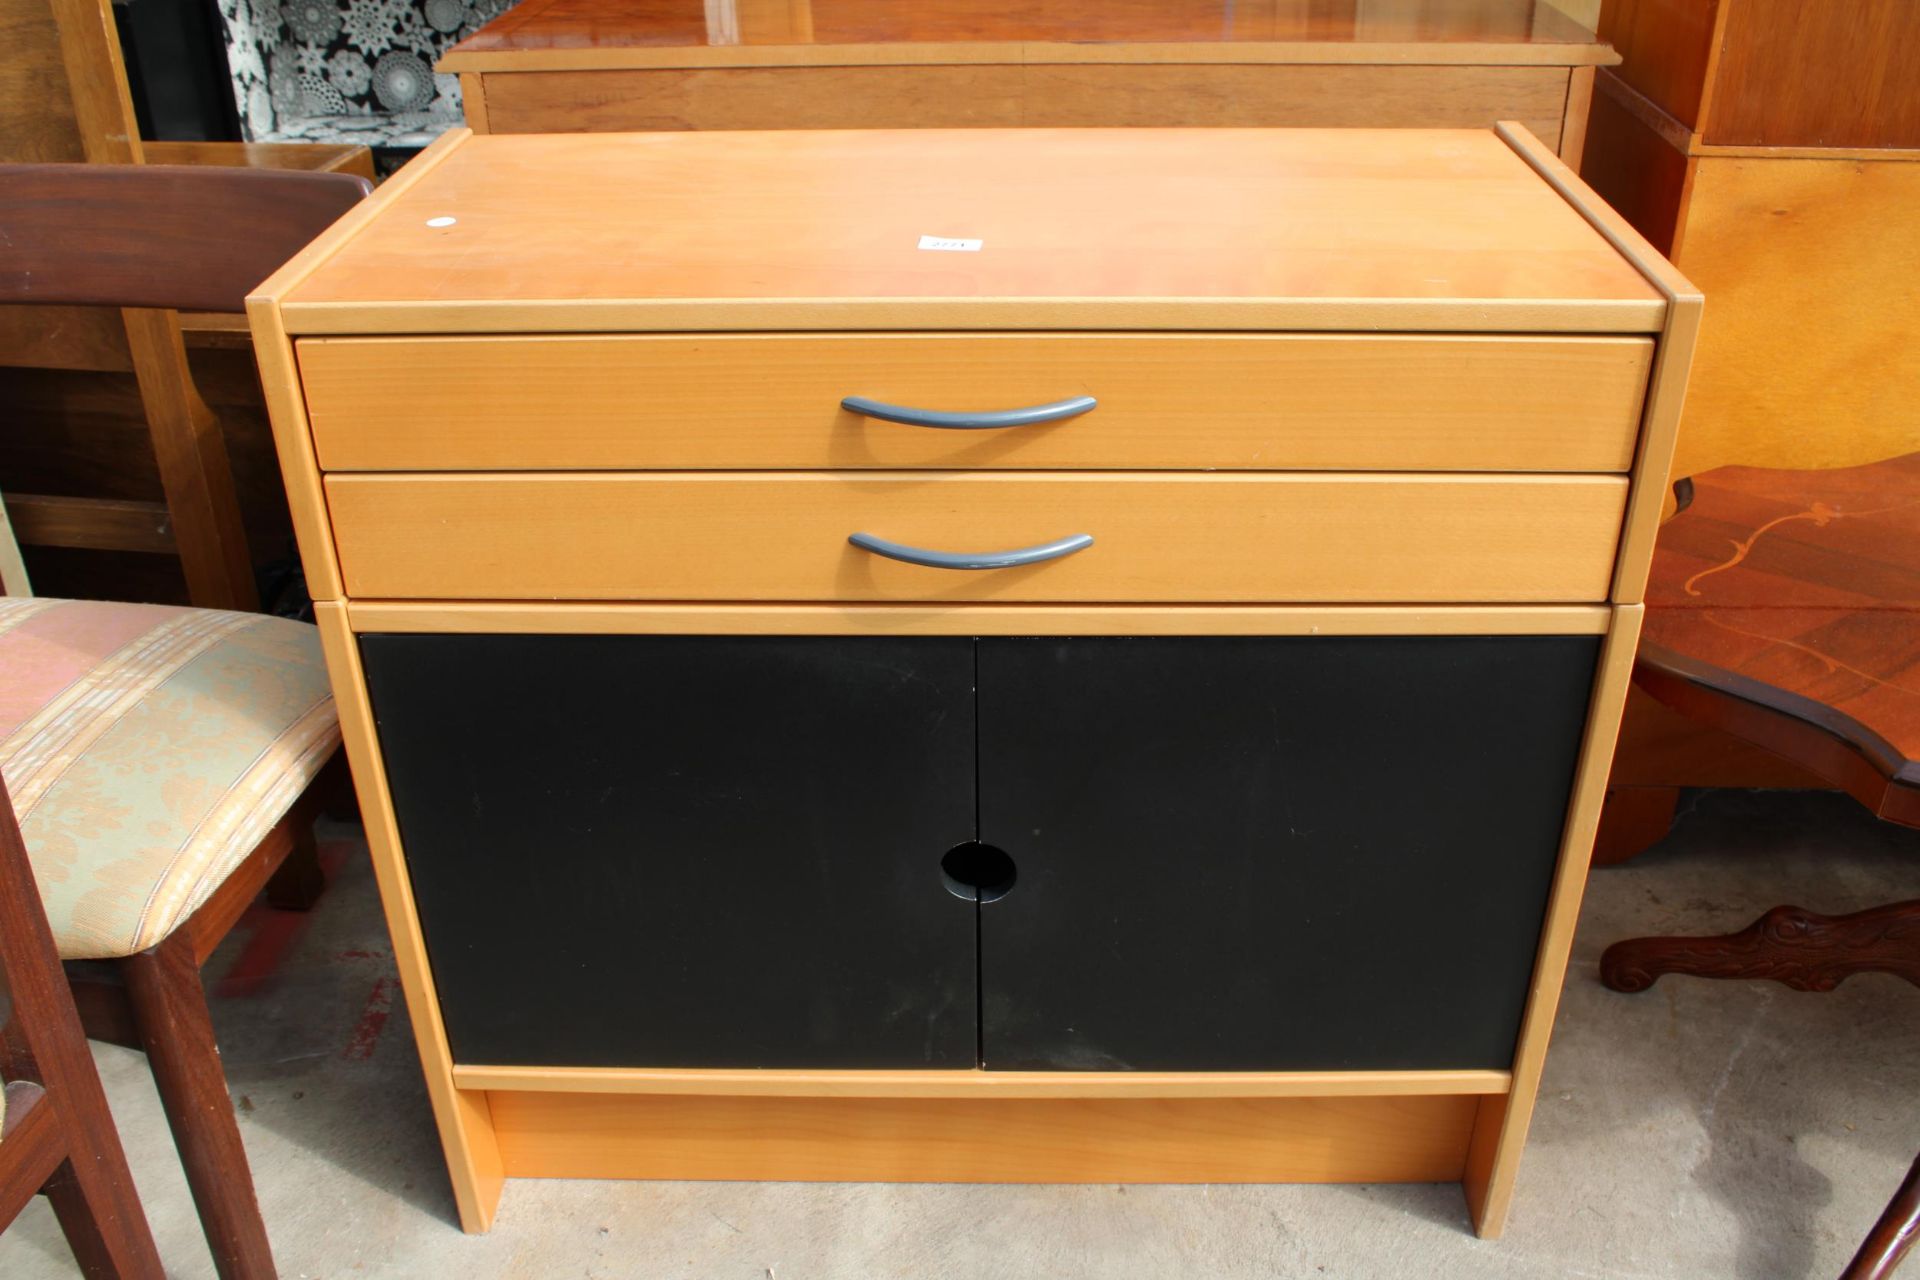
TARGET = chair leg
x,y
296,884
170,1007
342,804
93,1198
1792,946
1892,1236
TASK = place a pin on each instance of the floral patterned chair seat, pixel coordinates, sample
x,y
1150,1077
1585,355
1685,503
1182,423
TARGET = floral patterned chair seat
x,y
356,71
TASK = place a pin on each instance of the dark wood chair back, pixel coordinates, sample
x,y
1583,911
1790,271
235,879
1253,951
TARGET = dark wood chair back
x,y
58,1136
171,237
155,240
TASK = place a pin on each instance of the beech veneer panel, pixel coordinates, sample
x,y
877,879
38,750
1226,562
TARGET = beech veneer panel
x,y
543,233
573,1135
1324,401
1159,536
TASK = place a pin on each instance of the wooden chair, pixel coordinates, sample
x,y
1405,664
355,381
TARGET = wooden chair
x,y
1784,609
164,474
56,1135
166,763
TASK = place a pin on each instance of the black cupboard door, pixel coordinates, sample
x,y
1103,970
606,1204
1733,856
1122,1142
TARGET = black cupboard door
x,y
687,851
1312,853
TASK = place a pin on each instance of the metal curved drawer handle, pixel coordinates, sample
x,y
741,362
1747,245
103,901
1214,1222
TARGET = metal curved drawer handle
x,y
1058,411
972,559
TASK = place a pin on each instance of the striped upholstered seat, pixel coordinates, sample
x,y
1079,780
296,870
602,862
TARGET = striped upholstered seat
x,y
148,750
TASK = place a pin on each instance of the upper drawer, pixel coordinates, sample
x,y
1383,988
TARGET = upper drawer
x,y
1281,401
1157,536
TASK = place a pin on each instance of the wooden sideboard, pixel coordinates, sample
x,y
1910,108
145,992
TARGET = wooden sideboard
x,y
551,66
1772,149
1031,655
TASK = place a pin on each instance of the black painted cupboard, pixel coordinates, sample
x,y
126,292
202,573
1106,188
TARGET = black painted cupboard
x,y
1220,853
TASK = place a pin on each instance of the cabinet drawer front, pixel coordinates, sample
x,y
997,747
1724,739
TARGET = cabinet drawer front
x,y
1330,401
1156,536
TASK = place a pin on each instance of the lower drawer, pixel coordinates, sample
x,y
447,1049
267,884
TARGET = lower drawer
x,y
1156,536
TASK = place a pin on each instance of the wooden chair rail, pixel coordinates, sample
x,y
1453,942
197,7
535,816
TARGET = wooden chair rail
x,y
154,239
179,237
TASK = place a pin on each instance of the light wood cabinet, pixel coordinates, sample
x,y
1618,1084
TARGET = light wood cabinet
x,y
1122,699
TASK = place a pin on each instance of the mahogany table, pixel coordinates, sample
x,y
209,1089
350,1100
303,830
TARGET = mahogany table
x,y
563,66
1784,609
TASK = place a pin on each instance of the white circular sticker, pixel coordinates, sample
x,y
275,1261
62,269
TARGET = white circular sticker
x,y
441,221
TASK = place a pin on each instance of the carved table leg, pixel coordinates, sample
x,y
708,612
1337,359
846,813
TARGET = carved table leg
x,y
1789,945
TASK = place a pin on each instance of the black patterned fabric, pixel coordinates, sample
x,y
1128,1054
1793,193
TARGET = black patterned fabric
x,y
347,70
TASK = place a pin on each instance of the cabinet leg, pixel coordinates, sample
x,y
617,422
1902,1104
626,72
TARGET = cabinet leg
x,y
296,884
1788,945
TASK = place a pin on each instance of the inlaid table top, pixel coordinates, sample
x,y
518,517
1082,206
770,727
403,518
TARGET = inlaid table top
x,y
750,32
1790,601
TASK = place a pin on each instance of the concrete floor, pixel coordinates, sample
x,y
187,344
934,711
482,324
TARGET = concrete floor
x,y
1699,1130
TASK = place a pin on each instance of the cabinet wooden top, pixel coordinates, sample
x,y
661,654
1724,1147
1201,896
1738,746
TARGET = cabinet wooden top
x,y
994,229
588,34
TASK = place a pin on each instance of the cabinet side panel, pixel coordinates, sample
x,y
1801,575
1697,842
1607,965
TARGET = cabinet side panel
x,y
466,1127
1500,1132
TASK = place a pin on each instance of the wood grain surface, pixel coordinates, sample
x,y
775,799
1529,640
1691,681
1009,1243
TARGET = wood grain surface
x,y
182,237
1785,607
1024,95
1159,536
667,32
312,157
1817,75
1501,1124
59,1134
1665,47
824,230
495,617
1819,241
1673,359
1293,401
977,1083
1630,161
1411,1139
466,1128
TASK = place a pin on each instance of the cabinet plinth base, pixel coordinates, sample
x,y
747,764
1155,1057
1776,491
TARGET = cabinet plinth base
x,y
826,1139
